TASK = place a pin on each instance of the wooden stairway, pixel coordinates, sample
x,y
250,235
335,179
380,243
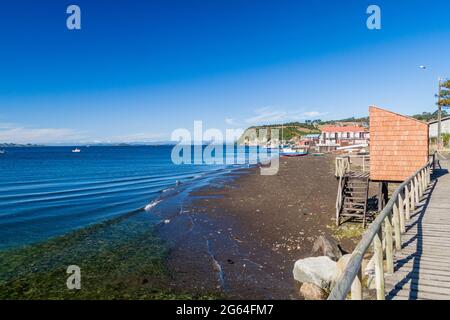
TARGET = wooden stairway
x,y
352,196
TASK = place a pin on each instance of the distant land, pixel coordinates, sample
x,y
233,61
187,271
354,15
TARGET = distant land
x,y
131,144
15,145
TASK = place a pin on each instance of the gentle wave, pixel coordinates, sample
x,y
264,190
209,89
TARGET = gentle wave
x,y
47,192
151,205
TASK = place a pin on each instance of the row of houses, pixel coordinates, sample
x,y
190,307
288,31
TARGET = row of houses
x,y
335,137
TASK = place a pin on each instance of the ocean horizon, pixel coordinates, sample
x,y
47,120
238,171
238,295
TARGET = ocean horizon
x,y
50,191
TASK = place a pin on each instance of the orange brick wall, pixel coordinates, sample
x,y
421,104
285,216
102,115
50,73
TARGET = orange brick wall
x,y
398,145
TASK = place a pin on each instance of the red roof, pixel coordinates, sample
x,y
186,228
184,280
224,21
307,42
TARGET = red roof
x,y
343,129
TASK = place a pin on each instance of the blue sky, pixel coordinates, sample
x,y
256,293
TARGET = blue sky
x,y
138,70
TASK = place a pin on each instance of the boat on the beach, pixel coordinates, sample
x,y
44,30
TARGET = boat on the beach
x,y
76,150
293,152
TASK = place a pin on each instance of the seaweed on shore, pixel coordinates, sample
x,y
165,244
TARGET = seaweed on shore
x,y
119,259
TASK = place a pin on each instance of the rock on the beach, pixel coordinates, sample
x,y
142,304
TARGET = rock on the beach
x,y
324,246
317,270
310,291
368,267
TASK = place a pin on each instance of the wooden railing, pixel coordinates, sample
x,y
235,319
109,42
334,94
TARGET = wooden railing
x,y
384,240
339,197
344,164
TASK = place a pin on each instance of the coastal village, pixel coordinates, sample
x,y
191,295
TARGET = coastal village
x,y
224,156
362,214
397,158
317,137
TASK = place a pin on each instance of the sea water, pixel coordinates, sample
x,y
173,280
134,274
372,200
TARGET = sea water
x,y
50,191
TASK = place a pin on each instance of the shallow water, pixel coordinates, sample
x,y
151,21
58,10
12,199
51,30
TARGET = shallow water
x,y
50,191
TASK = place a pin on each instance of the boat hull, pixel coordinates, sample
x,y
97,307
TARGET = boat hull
x,y
293,154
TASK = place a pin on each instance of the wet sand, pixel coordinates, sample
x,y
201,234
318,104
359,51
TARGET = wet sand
x,y
240,236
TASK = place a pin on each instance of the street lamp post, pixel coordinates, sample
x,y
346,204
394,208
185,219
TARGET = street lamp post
x,y
439,133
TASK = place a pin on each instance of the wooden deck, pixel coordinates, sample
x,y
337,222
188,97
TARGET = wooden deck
x,y
422,268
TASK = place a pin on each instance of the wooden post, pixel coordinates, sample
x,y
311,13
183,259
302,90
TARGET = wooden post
x,y
416,190
379,272
380,196
356,289
401,212
397,229
413,198
407,203
420,184
424,186
425,179
389,244
383,195
339,199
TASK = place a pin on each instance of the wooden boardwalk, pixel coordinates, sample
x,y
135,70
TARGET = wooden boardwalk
x,y
422,267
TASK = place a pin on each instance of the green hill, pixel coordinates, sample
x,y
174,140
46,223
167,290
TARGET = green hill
x,y
288,131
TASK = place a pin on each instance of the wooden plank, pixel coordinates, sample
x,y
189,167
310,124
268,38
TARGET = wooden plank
x,y
409,269
420,257
438,286
422,266
420,276
418,295
415,265
437,252
411,286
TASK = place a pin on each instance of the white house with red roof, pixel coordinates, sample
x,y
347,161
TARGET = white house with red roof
x,y
342,136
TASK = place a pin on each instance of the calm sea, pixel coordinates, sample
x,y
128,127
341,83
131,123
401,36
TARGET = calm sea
x,y
49,191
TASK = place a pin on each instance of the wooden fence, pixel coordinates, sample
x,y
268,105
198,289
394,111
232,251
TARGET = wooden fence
x,y
384,234
345,164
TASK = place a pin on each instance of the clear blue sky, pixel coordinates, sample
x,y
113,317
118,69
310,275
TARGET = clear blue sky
x,y
137,70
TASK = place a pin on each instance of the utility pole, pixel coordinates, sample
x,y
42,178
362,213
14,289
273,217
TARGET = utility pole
x,y
439,116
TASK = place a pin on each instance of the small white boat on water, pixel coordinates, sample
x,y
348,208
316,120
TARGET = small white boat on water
x,y
76,150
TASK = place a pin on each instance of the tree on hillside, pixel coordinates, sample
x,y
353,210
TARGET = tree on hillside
x,y
428,116
443,101
444,94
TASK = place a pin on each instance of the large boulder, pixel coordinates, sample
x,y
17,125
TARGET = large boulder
x,y
310,291
317,270
324,246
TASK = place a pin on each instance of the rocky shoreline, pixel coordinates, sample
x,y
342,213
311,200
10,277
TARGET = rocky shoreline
x,y
241,236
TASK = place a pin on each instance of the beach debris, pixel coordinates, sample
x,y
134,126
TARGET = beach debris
x,y
325,246
310,291
317,270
